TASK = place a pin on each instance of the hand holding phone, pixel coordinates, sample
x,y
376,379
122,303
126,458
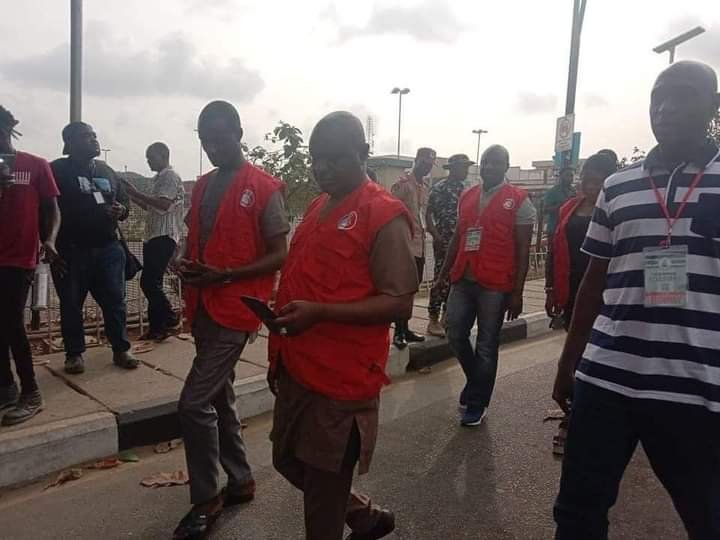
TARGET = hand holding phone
x,y
264,313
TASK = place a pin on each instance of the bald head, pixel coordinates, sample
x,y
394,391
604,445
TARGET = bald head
x,y
690,73
339,152
494,163
684,99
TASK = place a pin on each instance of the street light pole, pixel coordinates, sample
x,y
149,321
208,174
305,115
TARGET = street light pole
x,y
400,94
105,151
201,154
672,44
479,133
76,28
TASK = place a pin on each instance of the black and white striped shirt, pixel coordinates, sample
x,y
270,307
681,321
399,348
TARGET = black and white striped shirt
x,y
664,353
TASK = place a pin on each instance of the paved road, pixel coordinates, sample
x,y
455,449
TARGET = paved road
x,y
443,481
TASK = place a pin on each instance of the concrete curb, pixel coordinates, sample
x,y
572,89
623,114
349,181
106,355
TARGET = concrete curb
x,y
27,454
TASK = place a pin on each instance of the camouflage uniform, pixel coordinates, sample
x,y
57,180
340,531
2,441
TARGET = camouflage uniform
x,y
443,206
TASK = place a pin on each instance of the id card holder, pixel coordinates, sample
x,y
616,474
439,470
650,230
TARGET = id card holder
x,y
99,199
666,276
473,237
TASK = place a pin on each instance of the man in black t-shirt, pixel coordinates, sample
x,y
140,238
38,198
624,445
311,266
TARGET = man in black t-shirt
x,y
92,201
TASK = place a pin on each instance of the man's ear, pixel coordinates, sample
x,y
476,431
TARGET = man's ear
x,y
364,152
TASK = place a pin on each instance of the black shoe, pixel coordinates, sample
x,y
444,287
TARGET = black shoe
x,y
412,337
238,495
399,340
153,335
74,364
8,396
384,526
195,525
28,405
125,360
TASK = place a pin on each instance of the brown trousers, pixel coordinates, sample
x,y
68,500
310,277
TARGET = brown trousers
x,y
330,502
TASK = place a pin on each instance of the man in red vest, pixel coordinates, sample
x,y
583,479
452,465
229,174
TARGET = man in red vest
x,y
236,243
488,262
349,273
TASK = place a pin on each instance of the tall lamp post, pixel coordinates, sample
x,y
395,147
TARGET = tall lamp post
x,y
400,93
479,133
670,45
76,28
105,151
201,155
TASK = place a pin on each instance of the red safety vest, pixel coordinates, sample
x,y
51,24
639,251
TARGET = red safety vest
x,y
493,264
329,262
236,240
561,252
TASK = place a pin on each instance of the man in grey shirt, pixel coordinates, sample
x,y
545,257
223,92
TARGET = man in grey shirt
x,y
237,214
163,223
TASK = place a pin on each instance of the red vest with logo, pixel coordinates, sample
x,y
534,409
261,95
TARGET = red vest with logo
x,y
329,262
236,240
493,264
561,253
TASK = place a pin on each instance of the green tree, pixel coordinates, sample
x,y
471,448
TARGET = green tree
x,y
714,129
290,163
637,155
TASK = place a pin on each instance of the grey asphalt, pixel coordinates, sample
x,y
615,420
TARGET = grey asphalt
x,y
443,481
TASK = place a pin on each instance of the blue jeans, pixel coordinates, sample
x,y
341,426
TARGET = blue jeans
x,y
681,441
101,272
467,303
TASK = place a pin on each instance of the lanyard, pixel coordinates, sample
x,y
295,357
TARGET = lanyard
x,y
664,207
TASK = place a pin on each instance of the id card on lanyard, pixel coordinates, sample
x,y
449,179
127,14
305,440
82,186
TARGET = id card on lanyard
x,y
665,267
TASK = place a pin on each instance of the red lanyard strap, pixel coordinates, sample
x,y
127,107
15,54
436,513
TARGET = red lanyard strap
x,y
664,207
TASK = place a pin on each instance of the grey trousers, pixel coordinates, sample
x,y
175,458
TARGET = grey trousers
x,y
209,421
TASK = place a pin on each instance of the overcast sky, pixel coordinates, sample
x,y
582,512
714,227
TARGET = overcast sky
x,y
496,65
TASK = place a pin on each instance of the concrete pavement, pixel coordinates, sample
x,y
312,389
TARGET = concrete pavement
x,y
106,409
496,482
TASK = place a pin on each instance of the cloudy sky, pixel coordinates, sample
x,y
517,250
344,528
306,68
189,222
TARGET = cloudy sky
x,y
496,65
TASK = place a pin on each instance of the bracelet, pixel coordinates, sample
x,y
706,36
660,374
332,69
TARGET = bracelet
x,y
548,289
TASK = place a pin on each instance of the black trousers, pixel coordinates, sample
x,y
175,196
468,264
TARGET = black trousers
x,y
157,253
402,326
14,286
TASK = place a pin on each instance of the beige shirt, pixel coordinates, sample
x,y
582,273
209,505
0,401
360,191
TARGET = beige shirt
x,y
414,196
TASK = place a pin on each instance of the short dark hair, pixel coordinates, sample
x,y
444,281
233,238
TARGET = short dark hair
x,y
424,151
8,122
69,132
161,148
601,162
223,110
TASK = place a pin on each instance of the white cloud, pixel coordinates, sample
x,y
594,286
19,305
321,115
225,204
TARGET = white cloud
x,y
531,103
429,20
170,67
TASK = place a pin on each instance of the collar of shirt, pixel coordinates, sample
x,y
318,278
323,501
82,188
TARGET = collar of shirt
x,y
494,189
702,158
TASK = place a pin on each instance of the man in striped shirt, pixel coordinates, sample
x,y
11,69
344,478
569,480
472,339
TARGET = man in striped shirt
x,y
650,323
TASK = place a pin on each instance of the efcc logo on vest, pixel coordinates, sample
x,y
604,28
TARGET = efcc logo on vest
x,y
348,221
247,199
508,204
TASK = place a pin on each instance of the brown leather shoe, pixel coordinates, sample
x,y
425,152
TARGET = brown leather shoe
x,y
235,495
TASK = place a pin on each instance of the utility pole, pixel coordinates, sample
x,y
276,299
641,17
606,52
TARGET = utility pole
x,y
76,30
479,133
400,94
577,23
201,155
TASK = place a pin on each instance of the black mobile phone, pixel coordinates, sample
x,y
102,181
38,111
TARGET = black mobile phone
x,y
9,161
262,312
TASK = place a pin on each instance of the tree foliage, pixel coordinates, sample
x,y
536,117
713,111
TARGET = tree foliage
x,y
714,129
290,163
